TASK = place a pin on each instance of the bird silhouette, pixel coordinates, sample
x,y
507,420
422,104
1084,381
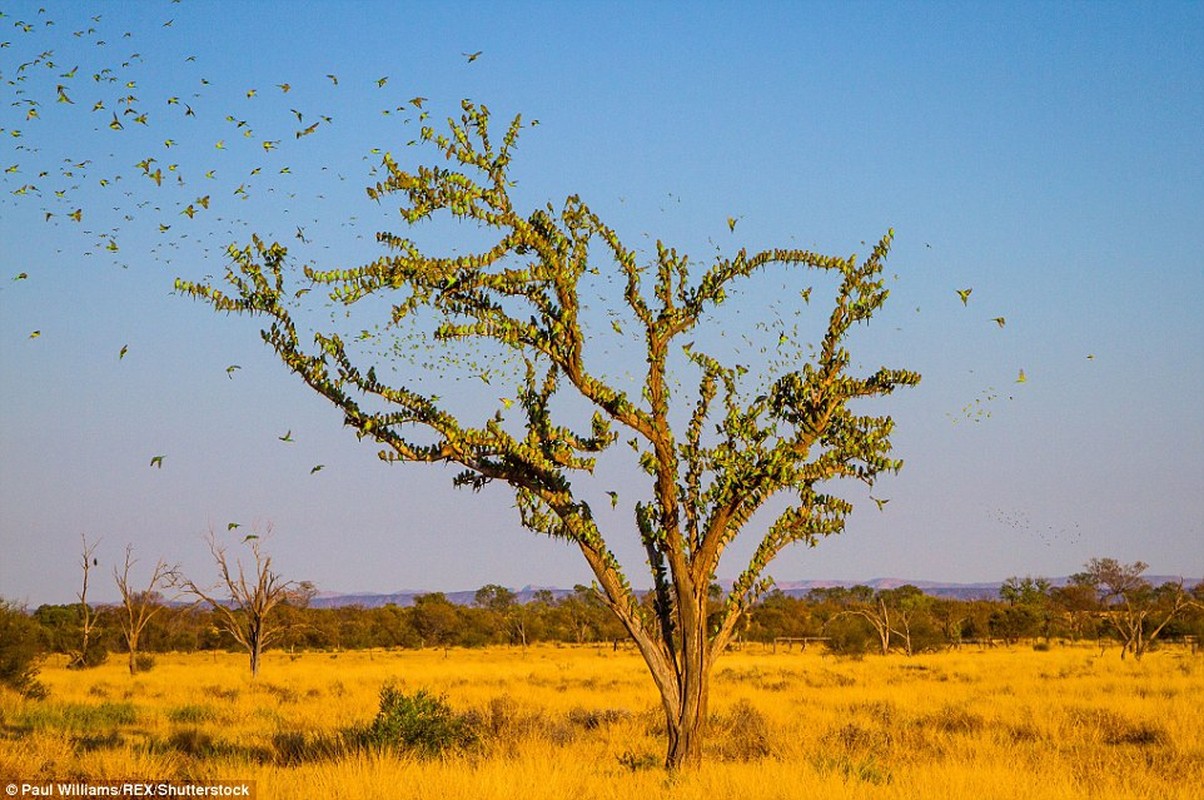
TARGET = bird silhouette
x,y
287,437
964,294
473,56
157,461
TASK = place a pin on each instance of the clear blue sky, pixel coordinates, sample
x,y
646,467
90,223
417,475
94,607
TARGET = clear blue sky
x,y
1048,156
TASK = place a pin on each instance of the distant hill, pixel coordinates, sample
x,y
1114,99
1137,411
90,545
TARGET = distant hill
x,y
960,591
405,597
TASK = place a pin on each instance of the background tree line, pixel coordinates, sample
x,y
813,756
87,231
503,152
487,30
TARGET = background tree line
x,y
1108,602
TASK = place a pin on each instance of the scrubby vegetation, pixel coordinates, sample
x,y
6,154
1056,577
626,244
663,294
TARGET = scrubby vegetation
x,y
556,721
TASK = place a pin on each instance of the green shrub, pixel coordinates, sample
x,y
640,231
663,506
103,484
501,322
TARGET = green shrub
x,y
420,723
20,651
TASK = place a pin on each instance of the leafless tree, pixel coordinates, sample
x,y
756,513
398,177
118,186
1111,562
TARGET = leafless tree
x,y
252,592
88,618
140,605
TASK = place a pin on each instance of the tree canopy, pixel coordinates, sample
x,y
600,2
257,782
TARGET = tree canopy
x,y
713,456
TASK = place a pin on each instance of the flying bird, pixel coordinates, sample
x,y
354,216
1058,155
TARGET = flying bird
x,y
315,468
125,348
231,525
964,294
614,499
1000,321
157,461
881,503
1021,378
230,370
287,437
472,56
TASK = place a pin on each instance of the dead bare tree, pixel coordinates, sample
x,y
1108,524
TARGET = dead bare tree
x,y
253,592
140,605
81,659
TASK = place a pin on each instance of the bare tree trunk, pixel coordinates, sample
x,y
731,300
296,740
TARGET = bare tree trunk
x,y
687,726
88,619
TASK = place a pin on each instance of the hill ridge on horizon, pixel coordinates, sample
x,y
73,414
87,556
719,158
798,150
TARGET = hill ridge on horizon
x,y
965,591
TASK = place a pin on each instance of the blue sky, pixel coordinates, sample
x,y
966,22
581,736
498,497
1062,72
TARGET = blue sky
x,y
1046,156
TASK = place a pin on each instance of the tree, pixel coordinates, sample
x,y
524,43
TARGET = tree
x,y
745,438
87,656
139,606
890,612
1078,605
1028,611
253,591
1131,605
435,619
910,604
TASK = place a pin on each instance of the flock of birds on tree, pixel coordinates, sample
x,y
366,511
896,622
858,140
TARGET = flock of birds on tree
x,y
203,150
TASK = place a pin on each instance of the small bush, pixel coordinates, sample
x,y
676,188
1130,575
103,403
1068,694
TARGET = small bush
x,y
745,734
592,720
144,662
1041,647
638,762
191,715
421,723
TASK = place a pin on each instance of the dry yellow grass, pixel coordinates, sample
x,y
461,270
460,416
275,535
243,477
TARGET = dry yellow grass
x,y
561,722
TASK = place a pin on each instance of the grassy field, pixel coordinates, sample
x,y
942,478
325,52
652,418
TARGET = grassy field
x,y
559,722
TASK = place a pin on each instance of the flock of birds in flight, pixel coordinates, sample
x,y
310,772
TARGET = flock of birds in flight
x,y
50,94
